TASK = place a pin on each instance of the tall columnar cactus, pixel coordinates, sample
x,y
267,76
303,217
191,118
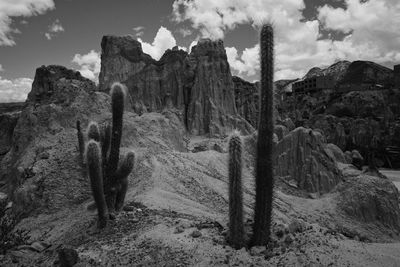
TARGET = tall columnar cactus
x,y
95,171
264,169
115,182
236,228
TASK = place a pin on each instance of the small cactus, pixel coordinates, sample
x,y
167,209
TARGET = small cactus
x,y
94,166
264,168
236,228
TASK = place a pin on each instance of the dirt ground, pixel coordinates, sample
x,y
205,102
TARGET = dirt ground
x,y
176,215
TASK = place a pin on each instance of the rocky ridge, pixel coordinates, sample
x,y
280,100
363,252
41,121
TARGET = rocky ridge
x,y
199,85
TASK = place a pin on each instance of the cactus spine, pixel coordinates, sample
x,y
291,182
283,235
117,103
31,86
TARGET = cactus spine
x,y
236,228
264,170
94,166
115,183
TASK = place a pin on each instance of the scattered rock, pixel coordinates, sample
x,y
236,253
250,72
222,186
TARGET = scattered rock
x,y
297,226
196,234
258,251
67,257
44,155
179,229
39,246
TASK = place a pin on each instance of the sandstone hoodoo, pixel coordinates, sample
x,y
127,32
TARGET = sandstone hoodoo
x,y
198,84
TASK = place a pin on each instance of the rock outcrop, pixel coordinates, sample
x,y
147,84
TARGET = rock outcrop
x,y
199,85
303,156
43,163
7,122
247,100
360,72
370,199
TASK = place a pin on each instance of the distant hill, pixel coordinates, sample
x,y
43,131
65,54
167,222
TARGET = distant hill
x,y
337,70
367,72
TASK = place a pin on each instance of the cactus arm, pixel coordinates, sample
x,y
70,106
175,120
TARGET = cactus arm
x,y
94,165
93,131
122,174
264,169
117,103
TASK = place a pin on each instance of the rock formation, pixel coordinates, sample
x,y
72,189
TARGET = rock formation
x,y
7,122
302,156
247,100
370,199
198,84
43,163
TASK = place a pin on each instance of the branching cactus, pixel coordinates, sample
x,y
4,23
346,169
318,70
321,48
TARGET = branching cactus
x,y
236,228
264,169
114,173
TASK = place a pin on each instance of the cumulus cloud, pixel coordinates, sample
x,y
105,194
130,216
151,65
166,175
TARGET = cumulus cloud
x,y
162,41
89,64
14,90
17,8
372,28
139,31
247,63
53,29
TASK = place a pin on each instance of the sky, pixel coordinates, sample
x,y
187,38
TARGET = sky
x,y
308,33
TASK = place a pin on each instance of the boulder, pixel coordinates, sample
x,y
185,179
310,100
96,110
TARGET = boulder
x,y
302,156
370,199
336,153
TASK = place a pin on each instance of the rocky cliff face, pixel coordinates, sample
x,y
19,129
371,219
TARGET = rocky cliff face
x,y
42,140
247,100
198,84
303,156
43,163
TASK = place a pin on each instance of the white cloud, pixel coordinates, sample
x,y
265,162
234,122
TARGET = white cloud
x,y
139,31
10,9
89,64
53,29
164,40
374,26
14,90
247,63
